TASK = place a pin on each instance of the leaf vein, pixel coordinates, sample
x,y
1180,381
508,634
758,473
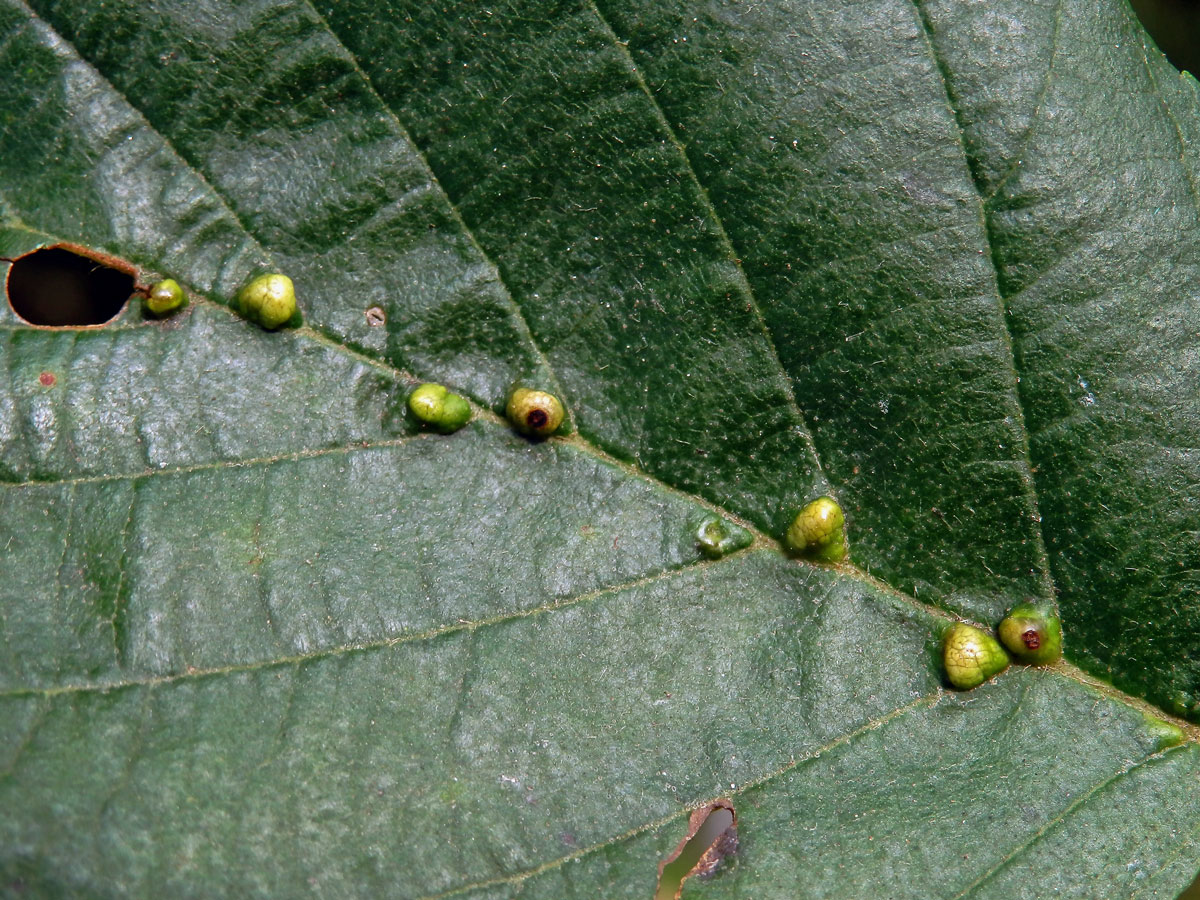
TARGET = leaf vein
x,y
220,464
469,626
840,741
167,143
1012,396
1027,138
26,741
1062,816
1188,172
517,311
785,381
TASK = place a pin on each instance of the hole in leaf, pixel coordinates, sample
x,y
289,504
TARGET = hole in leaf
x,y
1175,27
59,287
711,837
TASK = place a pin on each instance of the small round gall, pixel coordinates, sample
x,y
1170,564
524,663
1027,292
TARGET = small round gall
x,y
818,532
1032,635
433,405
971,656
164,297
534,413
1162,733
270,300
717,538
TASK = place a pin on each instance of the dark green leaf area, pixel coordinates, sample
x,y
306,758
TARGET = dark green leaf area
x,y
78,163
202,388
1096,238
388,770
936,259
263,145
822,134
537,125
236,565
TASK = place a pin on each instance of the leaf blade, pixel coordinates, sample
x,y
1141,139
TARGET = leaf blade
x,y
307,625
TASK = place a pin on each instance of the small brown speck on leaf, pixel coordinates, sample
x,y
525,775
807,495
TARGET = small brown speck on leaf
x,y
375,316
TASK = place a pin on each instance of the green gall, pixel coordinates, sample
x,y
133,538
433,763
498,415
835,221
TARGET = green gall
x,y
269,300
534,413
164,297
436,407
819,532
971,656
716,537
1164,734
1032,635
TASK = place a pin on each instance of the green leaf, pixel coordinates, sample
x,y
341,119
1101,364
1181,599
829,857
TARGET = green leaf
x,y
261,636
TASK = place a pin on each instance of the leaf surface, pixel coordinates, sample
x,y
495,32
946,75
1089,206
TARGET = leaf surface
x,y
260,636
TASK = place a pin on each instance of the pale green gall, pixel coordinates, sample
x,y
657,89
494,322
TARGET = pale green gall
x,y
818,532
971,656
433,405
164,297
269,300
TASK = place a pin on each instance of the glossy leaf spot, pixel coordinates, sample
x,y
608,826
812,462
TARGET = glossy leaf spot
x,y
57,287
716,538
711,839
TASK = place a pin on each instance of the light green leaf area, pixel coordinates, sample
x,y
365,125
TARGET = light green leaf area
x,y
262,636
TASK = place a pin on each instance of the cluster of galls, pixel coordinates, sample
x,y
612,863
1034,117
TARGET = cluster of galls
x,y
534,413
1030,632
269,300
818,533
